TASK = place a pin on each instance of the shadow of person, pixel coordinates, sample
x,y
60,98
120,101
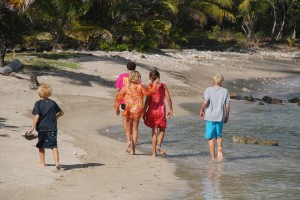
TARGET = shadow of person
x,y
80,166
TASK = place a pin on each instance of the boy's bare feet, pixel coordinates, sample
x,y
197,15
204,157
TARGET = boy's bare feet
x,y
162,152
220,156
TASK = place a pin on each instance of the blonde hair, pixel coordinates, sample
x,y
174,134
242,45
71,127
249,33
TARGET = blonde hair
x,y
45,91
134,77
218,79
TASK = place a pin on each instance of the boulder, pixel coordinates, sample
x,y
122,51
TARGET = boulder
x,y
5,70
253,140
277,101
267,99
12,66
294,100
249,98
235,96
15,64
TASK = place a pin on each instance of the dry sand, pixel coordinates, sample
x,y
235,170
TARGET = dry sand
x,y
96,167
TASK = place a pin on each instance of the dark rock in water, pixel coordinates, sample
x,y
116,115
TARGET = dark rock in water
x,y
267,99
253,140
235,96
261,103
249,98
276,101
294,100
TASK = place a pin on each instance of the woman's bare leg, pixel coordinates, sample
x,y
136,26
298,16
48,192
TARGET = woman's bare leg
x,y
135,133
129,134
160,141
154,141
42,157
124,120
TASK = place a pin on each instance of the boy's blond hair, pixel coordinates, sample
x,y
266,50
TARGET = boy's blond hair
x,y
218,79
134,77
45,91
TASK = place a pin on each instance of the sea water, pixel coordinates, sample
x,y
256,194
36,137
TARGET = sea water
x,y
249,171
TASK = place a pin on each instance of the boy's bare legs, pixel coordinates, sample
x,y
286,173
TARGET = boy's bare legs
x,y
135,134
128,134
56,158
220,156
160,140
154,141
42,157
211,146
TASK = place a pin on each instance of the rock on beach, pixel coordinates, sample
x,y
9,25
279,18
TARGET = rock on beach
x,y
253,140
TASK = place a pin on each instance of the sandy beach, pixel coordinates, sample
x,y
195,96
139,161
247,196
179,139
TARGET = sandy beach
x,y
97,167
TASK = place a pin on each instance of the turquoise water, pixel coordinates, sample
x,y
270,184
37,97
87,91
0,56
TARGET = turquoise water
x,y
249,171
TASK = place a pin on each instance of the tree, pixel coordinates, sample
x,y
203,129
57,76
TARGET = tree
x,y
202,10
12,25
56,16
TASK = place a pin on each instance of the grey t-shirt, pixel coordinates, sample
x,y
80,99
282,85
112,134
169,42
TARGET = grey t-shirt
x,y
216,98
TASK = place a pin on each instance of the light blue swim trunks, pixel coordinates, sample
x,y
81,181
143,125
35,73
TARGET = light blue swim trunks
x,y
213,130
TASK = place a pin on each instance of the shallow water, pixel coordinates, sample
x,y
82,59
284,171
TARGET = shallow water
x,y
249,171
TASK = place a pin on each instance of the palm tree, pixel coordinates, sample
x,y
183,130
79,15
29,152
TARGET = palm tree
x,y
202,10
9,24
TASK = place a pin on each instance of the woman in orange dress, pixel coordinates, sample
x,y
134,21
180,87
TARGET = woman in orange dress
x,y
133,93
155,112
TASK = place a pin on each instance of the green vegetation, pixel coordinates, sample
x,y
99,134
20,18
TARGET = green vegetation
x,y
45,60
142,25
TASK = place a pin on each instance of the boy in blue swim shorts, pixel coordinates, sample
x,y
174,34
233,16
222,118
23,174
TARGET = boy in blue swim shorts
x,y
215,111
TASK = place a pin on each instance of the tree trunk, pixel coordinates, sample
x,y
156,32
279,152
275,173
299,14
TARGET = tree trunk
x,y
294,32
247,26
2,51
275,21
279,35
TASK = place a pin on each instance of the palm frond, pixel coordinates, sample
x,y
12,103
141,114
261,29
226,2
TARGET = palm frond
x,y
223,3
245,5
193,14
171,5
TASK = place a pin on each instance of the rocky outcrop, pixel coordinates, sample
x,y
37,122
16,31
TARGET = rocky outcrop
x,y
253,140
265,99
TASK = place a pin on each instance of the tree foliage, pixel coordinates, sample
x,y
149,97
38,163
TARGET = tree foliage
x,y
142,24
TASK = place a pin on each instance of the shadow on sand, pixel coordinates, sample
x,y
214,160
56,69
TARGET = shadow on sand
x,y
80,166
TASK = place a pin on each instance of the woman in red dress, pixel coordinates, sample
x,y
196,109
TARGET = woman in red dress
x,y
133,93
155,112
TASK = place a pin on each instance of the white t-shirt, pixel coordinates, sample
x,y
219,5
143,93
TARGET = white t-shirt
x,y
217,98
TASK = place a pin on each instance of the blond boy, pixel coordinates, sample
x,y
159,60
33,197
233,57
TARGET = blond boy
x,y
215,111
46,112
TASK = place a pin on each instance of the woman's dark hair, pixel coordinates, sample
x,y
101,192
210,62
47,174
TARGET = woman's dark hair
x,y
131,66
154,74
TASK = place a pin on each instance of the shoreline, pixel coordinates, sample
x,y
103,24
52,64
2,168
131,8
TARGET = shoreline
x,y
96,166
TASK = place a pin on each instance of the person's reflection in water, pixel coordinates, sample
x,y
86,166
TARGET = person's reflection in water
x,y
212,181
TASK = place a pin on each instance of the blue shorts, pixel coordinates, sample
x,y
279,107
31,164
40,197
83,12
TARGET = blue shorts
x,y
213,130
47,139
